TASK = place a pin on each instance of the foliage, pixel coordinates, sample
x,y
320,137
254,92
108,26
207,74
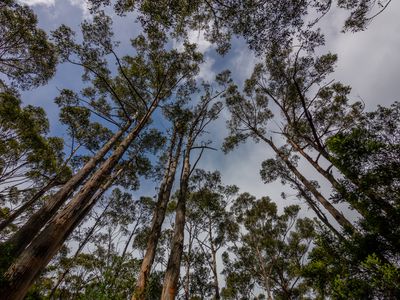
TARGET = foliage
x,y
27,154
27,58
223,245
272,250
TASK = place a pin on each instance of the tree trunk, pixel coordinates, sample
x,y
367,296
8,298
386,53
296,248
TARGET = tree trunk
x,y
308,185
97,196
373,195
117,267
214,270
188,258
16,213
158,217
52,183
328,176
38,220
335,184
174,262
321,216
35,257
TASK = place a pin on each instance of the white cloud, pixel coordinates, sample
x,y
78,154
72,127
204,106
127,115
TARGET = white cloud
x,y
368,60
206,70
38,2
83,5
195,37
243,63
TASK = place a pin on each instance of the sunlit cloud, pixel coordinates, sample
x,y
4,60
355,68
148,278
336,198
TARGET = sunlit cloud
x,y
38,2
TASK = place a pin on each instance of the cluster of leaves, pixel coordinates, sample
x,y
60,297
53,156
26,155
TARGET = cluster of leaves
x,y
271,251
27,58
279,254
28,157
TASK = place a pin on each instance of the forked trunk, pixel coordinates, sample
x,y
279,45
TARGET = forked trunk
x,y
174,262
35,257
373,195
321,216
38,220
328,176
158,218
95,197
309,186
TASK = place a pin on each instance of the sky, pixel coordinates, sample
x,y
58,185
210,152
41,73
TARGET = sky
x,y
368,61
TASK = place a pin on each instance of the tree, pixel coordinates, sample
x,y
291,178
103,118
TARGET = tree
x,y
272,169
366,151
161,72
368,154
200,117
27,58
209,226
262,24
251,116
174,153
362,12
258,22
270,251
31,162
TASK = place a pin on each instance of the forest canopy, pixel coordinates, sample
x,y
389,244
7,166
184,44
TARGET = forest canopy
x,y
207,149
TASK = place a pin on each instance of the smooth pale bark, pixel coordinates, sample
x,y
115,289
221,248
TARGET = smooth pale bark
x,y
21,274
318,145
158,216
174,262
309,186
336,185
171,278
97,196
316,166
38,220
186,286
321,216
265,274
373,195
214,265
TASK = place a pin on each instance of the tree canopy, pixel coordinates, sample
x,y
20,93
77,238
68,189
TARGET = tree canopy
x,y
110,193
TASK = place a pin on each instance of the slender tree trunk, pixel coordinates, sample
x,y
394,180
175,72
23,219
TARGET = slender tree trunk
x,y
328,176
214,268
174,262
52,183
158,217
188,258
373,195
16,213
117,268
335,184
95,197
309,186
266,275
38,220
321,216
171,278
35,257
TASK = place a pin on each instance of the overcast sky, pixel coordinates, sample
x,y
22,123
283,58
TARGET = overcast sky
x,y
368,61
